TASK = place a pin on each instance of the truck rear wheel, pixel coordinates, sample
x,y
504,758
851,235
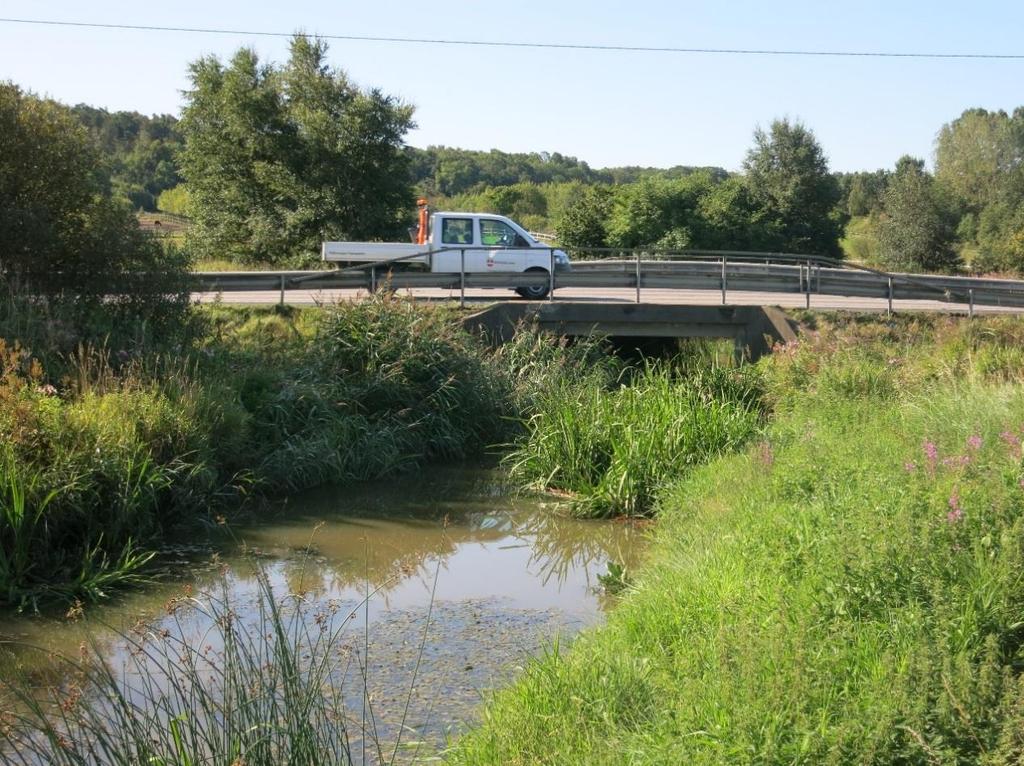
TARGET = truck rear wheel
x,y
537,292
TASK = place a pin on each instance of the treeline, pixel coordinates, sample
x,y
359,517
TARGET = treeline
x,y
786,200
140,153
270,159
441,171
969,211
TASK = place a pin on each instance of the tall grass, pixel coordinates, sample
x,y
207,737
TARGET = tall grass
x,y
122,446
848,590
262,690
613,447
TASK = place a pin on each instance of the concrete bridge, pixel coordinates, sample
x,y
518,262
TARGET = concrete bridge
x,y
730,295
753,329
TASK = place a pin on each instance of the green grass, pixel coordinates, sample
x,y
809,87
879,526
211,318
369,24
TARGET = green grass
x,y
848,590
612,447
222,264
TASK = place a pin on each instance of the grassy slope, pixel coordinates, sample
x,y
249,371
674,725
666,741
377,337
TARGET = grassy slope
x,y
834,595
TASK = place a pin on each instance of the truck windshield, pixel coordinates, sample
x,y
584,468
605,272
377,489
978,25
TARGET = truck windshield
x,y
500,234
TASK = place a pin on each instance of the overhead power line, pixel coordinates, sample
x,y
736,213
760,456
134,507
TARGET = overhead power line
x,y
514,44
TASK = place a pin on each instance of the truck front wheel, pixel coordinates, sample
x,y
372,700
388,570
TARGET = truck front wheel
x,y
535,292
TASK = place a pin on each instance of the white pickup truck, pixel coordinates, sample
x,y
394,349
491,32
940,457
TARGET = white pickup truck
x,y
449,242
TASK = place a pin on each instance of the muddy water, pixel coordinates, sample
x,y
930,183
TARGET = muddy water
x,y
499,576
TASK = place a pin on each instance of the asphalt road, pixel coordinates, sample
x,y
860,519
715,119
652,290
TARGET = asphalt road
x,y
613,295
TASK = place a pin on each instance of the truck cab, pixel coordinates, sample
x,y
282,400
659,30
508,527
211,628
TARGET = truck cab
x,y
487,242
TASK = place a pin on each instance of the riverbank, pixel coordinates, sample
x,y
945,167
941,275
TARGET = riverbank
x,y
110,450
453,558
107,449
846,590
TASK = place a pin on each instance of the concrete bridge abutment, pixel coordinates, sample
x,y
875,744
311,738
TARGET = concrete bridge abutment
x,y
753,329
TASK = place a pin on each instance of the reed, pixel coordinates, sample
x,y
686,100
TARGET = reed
x,y
206,685
613,448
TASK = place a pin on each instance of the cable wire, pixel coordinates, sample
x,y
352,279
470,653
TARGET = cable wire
x,y
519,44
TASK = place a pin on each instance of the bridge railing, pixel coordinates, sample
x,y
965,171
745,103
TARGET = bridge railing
x,y
724,271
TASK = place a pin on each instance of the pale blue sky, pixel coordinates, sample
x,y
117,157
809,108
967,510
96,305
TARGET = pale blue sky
x,y
608,108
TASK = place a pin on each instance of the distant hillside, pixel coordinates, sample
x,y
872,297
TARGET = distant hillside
x,y
140,151
445,171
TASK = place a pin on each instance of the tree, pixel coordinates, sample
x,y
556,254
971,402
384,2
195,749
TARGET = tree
x,y
862,192
728,214
582,223
61,232
139,152
278,159
1000,237
918,227
790,183
660,213
979,157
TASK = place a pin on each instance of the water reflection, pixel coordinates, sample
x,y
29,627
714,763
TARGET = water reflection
x,y
498,574
389,537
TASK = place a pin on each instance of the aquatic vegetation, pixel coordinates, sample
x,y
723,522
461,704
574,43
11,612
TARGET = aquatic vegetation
x,y
613,447
259,691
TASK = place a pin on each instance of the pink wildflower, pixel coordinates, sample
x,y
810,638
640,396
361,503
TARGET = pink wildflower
x,y
931,453
1012,441
910,466
974,442
955,511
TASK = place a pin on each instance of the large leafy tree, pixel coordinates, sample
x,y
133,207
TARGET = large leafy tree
x,y
62,233
277,159
979,160
979,157
795,194
918,226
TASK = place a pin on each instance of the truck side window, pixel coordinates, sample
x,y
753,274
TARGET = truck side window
x,y
499,234
457,231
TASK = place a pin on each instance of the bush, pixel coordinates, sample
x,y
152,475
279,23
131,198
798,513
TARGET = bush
x,y
66,240
110,454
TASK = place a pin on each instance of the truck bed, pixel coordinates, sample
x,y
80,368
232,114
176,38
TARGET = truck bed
x,y
369,252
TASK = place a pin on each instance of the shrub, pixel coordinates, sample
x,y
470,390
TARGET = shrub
x,y
65,237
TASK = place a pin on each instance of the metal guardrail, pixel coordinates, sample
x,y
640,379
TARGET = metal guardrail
x,y
725,271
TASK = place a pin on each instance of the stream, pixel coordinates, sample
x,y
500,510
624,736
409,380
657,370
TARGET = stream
x,y
501,575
